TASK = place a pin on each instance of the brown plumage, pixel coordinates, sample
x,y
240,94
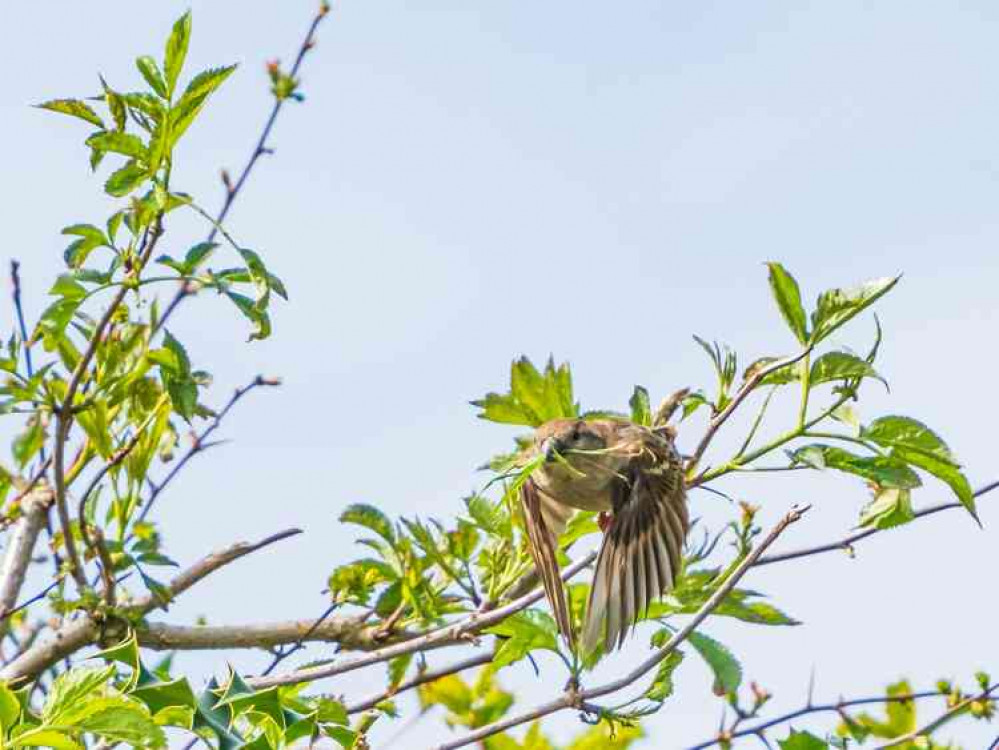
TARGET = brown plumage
x,y
631,472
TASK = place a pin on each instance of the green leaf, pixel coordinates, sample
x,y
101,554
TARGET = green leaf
x,y
119,143
257,316
193,99
890,507
886,471
534,398
71,689
127,723
662,685
841,366
909,435
489,516
788,297
524,631
944,471
837,306
724,666
802,741
125,180
150,70
176,51
641,408
371,518
50,738
86,231
74,108
116,105
10,707
69,288
161,695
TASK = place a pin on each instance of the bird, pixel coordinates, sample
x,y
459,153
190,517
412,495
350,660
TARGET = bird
x,y
633,477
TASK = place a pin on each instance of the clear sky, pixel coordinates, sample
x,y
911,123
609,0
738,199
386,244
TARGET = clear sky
x,y
471,181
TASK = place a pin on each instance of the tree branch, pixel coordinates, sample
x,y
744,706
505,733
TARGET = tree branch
x,y
579,698
422,678
747,387
448,635
21,545
232,191
848,541
85,630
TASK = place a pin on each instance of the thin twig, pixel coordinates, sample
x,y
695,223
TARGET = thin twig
x,y
200,441
284,653
847,542
453,633
946,716
838,706
747,387
422,678
232,191
580,699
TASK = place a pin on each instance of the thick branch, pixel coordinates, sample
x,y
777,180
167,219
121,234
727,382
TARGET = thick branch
x,y
20,547
458,632
579,699
85,630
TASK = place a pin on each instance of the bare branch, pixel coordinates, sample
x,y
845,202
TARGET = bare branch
x,y
21,545
448,635
422,678
847,542
579,699
85,630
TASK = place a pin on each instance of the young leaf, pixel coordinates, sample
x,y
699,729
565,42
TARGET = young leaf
x,y
837,306
802,741
151,72
641,408
74,108
944,471
662,685
788,298
833,366
724,666
369,517
890,507
524,631
125,180
119,143
176,51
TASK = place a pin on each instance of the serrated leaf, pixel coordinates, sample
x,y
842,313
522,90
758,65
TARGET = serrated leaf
x,y
910,435
69,288
534,398
74,108
371,518
886,471
490,516
725,667
788,297
150,71
802,741
125,180
946,472
833,366
837,306
125,723
71,688
119,143
662,685
176,52
524,631
10,707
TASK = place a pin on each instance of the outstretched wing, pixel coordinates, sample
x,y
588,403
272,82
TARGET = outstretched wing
x,y
643,547
542,539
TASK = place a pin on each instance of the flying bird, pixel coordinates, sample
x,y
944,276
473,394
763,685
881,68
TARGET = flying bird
x,y
633,476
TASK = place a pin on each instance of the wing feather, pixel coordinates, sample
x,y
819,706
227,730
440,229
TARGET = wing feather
x,y
543,543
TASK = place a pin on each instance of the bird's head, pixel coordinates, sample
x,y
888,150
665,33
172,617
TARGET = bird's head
x,y
570,439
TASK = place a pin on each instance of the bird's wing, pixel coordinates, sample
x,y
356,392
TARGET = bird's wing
x,y
643,547
539,516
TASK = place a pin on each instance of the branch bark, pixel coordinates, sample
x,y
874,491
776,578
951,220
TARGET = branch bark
x,y
448,635
579,698
85,630
35,508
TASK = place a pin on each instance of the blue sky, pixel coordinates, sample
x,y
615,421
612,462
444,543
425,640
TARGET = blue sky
x,y
468,182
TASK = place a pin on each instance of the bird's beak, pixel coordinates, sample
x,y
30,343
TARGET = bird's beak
x,y
550,448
